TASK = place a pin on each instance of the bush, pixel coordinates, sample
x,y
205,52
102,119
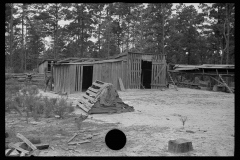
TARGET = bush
x,y
13,88
8,104
62,108
48,107
30,90
33,90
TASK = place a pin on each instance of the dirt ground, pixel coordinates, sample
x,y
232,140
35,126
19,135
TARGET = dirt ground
x,y
148,129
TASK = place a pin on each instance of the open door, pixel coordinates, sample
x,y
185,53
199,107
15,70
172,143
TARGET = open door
x,y
87,77
146,74
159,68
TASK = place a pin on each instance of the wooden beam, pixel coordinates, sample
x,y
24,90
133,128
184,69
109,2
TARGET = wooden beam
x,y
121,84
216,80
81,78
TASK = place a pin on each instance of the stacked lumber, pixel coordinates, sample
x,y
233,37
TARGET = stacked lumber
x,y
102,97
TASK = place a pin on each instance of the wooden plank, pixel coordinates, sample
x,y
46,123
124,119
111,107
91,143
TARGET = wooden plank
x,y
127,71
74,78
11,145
85,101
129,76
134,73
24,139
79,78
130,72
98,85
80,142
93,90
122,70
70,79
136,64
91,93
139,73
72,137
83,107
89,98
121,84
216,80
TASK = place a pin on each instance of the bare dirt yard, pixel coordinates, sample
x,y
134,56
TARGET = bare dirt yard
x,y
155,121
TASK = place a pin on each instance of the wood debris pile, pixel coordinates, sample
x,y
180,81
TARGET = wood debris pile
x,y
102,97
25,148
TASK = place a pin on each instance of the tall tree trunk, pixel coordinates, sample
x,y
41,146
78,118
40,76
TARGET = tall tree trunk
x,y
11,37
25,53
162,29
82,30
56,30
128,37
99,34
227,40
141,25
99,40
108,35
22,57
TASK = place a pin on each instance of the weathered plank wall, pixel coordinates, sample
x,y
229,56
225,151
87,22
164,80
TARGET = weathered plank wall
x,y
110,72
62,77
42,66
159,68
134,70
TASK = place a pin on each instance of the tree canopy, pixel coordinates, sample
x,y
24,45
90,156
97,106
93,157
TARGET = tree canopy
x,y
184,34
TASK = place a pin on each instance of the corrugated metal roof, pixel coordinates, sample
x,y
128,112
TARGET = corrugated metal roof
x,y
180,69
95,62
204,66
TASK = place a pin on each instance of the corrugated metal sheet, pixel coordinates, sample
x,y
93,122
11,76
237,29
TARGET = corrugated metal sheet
x,y
180,69
204,66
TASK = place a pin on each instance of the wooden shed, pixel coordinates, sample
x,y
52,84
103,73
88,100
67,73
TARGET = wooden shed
x,y
46,63
137,70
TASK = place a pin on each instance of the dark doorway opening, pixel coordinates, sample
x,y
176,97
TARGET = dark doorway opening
x,y
49,67
87,77
146,74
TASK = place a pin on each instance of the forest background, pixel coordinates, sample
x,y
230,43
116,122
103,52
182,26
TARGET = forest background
x,y
186,35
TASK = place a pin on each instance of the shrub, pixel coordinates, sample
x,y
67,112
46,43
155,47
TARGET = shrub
x,y
13,88
8,104
70,108
48,107
62,108
33,90
183,119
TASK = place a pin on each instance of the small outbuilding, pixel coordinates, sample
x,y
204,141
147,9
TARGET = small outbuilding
x,y
136,71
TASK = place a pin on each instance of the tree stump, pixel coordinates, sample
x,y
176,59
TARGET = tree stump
x,y
180,145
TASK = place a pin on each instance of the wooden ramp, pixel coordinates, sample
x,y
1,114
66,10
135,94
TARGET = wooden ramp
x,y
86,102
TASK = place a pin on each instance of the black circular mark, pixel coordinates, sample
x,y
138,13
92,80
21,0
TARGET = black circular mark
x,y
115,139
